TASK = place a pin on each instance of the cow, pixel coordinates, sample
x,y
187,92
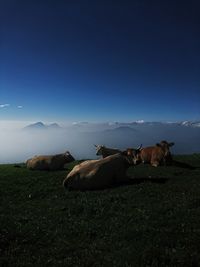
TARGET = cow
x,y
99,174
105,151
133,152
155,155
49,162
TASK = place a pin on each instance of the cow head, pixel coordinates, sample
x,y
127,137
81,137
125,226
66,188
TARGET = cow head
x,y
133,154
165,144
165,147
99,149
67,155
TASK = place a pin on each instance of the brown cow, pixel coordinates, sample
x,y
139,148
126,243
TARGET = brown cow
x,y
106,151
49,162
133,152
155,155
99,174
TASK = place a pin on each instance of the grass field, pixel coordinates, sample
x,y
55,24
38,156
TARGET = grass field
x,y
153,222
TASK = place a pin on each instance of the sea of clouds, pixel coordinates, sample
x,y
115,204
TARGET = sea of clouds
x,y
18,144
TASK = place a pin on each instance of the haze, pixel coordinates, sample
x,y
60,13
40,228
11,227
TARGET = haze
x,y
17,144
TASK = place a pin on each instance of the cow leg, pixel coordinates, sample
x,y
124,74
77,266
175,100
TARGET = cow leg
x,y
155,164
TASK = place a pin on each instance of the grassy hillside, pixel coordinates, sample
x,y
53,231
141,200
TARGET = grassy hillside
x,y
154,222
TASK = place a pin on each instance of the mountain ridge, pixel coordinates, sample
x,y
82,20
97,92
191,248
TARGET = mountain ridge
x,y
41,126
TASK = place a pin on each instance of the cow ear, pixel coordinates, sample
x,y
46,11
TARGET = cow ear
x,y
171,144
95,145
158,144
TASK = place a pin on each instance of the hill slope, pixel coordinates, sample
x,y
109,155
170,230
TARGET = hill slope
x,y
153,222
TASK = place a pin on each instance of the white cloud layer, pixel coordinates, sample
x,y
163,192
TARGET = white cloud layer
x,y
4,105
17,144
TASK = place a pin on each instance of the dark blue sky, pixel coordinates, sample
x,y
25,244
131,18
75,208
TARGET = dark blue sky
x,y
100,60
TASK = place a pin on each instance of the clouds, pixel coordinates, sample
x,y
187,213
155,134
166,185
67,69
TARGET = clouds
x,y
17,145
8,105
4,105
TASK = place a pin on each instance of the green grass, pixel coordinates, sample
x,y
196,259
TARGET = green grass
x,y
149,223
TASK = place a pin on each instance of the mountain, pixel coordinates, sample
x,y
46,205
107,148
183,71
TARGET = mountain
x,y
190,123
36,126
53,126
186,139
41,126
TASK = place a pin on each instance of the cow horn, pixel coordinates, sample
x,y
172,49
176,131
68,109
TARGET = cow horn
x,y
139,147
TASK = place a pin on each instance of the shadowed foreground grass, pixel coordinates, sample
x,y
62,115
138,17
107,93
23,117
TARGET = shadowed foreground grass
x,y
154,222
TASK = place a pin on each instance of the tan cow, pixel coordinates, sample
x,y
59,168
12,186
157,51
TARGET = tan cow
x,y
105,151
99,174
155,155
49,162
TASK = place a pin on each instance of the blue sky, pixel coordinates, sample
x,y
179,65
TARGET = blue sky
x,y
99,60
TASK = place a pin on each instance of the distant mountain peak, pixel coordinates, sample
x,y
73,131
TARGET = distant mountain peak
x,y
36,125
140,121
190,123
39,123
54,125
41,126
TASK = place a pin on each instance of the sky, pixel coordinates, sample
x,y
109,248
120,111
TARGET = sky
x,y
102,60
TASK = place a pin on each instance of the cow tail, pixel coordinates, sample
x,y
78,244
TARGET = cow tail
x,y
65,183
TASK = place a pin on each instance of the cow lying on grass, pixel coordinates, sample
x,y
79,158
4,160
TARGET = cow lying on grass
x,y
155,155
50,162
99,174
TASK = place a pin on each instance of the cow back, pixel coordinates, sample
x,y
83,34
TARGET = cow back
x,y
97,174
49,162
145,154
